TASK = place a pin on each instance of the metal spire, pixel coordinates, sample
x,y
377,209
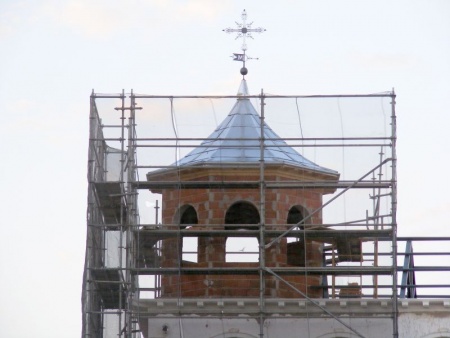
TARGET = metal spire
x,y
244,30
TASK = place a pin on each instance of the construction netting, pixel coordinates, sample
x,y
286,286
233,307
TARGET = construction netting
x,y
201,198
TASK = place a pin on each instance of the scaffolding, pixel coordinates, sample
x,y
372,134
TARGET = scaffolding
x,y
354,229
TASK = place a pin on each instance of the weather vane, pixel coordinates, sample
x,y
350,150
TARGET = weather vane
x,y
244,30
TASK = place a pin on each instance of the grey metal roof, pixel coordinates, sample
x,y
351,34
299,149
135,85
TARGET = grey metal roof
x,y
235,141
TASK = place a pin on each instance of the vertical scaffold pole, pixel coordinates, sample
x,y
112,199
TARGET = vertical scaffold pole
x,y
132,212
87,297
122,211
262,261
394,217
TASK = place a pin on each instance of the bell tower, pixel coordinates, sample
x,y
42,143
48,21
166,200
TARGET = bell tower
x,y
219,192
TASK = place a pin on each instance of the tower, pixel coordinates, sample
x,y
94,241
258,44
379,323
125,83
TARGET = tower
x,y
227,200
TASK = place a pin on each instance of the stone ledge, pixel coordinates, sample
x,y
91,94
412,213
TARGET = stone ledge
x,y
288,307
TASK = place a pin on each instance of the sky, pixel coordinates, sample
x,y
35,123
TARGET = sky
x,y
54,52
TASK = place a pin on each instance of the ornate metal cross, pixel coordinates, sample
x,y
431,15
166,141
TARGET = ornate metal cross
x,y
244,30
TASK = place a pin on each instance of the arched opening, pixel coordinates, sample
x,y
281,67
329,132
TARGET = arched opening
x,y
296,215
296,254
240,216
187,217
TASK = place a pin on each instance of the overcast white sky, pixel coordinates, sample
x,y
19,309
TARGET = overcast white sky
x,y
54,52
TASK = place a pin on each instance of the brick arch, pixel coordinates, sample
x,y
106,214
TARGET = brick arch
x,y
241,212
186,214
301,251
296,214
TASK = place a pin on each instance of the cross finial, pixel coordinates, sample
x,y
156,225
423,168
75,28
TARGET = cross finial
x,y
244,30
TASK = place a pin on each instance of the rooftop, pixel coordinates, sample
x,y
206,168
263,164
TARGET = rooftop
x,y
237,141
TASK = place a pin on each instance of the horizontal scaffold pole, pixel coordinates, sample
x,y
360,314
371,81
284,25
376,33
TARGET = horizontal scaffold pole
x,y
331,96
292,271
309,234
255,185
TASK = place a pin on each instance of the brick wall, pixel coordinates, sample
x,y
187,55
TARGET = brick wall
x,y
211,206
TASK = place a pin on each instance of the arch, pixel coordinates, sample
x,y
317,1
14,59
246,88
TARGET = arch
x,y
186,217
338,335
233,335
242,212
301,251
442,334
239,216
296,215
186,214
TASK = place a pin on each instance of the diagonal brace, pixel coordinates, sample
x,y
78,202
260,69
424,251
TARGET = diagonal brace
x,y
313,302
268,245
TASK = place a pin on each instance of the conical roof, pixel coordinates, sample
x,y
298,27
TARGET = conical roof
x,y
236,141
